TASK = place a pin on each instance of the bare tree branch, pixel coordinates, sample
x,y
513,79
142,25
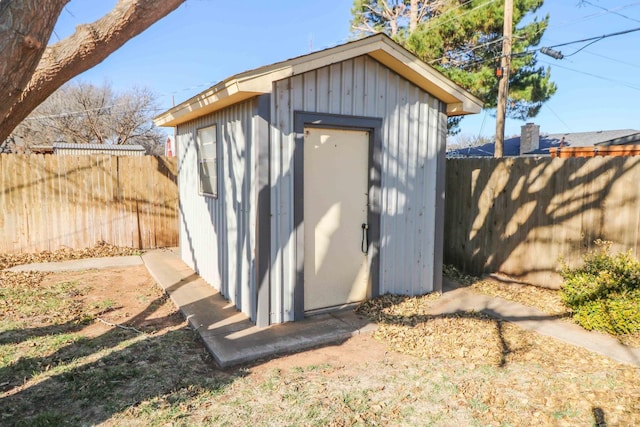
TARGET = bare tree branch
x,y
25,27
60,62
85,113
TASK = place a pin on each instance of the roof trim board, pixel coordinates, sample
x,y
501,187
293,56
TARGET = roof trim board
x,y
380,47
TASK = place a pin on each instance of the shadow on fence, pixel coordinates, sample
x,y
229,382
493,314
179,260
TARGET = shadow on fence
x,y
520,216
48,202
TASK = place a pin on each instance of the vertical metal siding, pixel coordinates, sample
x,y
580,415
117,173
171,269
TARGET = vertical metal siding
x,y
283,245
217,234
413,125
81,151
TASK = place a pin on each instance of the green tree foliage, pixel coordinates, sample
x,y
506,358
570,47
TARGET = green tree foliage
x,y
463,39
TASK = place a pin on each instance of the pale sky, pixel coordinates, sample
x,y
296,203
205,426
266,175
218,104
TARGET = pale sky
x,y
205,41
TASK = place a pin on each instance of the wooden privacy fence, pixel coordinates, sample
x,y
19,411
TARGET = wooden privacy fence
x,y
520,216
49,202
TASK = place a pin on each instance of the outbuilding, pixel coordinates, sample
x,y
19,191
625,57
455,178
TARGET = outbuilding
x,y
317,182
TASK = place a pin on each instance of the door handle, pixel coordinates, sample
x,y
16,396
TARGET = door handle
x,y
364,244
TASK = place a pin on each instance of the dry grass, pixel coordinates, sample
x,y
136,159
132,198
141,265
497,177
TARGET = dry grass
x,y
507,375
60,366
544,299
101,249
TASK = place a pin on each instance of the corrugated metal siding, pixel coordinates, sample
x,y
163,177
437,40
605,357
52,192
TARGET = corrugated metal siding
x,y
68,149
413,123
217,234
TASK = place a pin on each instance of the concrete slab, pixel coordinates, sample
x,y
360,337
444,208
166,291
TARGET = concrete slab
x,y
229,335
236,344
81,264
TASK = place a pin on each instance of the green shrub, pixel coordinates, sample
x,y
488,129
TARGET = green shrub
x,y
604,293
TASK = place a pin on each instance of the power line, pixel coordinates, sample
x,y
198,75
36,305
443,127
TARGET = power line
x,y
558,117
592,39
468,51
629,85
439,24
612,59
597,38
553,26
610,11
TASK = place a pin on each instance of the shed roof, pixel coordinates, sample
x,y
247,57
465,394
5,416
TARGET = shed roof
x,y
380,47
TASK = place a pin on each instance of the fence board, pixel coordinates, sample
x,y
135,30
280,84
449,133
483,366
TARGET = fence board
x,y
520,216
49,202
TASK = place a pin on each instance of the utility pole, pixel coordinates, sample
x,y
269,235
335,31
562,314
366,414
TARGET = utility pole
x,y
503,85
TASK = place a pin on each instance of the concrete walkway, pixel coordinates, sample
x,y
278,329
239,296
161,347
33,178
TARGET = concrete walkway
x,y
456,299
232,339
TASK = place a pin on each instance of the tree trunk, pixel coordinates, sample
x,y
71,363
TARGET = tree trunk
x,y
60,62
25,28
413,16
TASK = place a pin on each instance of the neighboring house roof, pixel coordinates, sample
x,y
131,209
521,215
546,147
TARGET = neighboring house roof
x,y
380,47
547,141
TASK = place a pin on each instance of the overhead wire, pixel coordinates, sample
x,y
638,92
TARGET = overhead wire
x,y
439,24
557,116
483,45
619,61
629,85
611,11
593,40
598,38
528,52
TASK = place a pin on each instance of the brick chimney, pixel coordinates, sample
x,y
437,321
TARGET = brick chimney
x,y
529,138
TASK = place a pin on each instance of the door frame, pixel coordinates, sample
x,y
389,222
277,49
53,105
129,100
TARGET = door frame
x,y
302,120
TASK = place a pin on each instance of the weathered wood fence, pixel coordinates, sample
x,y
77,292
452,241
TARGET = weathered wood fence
x,y
520,216
49,202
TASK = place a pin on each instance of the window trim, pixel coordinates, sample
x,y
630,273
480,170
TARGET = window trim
x,y
201,161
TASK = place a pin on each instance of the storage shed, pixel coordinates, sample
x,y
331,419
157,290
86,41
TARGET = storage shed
x,y
317,182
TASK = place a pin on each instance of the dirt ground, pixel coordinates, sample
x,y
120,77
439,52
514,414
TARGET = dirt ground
x,y
126,296
117,352
129,297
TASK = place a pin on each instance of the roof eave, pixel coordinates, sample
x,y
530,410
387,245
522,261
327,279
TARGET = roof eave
x,y
380,47
458,100
215,98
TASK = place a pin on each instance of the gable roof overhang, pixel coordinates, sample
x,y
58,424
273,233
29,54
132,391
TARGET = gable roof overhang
x,y
380,47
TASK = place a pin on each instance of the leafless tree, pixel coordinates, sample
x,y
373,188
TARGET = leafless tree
x,y
373,16
89,114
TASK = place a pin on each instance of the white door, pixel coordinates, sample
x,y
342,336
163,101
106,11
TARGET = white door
x,y
335,208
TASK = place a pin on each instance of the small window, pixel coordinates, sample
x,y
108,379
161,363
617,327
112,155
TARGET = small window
x,y
208,161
